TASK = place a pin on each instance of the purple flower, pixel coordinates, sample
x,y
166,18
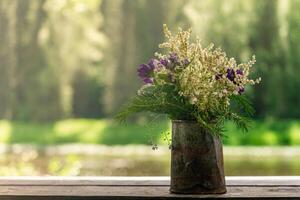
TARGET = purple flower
x,y
144,72
155,65
230,74
185,62
239,72
173,58
241,90
164,62
152,63
148,80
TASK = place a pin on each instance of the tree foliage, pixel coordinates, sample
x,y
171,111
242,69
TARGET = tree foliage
x,y
46,45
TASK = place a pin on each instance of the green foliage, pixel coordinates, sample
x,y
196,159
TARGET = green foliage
x,y
241,104
87,95
45,43
267,132
268,29
262,133
163,99
193,92
80,131
132,37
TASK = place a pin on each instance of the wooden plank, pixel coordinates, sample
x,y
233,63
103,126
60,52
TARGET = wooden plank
x,y
86,181
89,188
143,192
263,181
150,180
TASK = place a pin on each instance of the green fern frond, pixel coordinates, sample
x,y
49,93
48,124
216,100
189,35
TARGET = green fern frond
x,y
243,104
241,122
160,100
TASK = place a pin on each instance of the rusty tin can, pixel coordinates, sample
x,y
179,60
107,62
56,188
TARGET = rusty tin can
x,y
196,160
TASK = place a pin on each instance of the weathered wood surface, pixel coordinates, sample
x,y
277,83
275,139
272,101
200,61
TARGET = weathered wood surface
x,y
90,188
197,165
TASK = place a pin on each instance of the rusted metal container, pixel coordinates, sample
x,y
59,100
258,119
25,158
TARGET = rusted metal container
x,y
196,160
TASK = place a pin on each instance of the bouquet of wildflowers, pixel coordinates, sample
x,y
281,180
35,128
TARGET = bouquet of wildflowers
x,y
193,83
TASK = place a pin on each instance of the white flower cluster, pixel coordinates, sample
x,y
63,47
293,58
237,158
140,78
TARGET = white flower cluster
x,y
210,77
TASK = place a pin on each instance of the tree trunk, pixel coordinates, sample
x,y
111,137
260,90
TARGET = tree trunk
x,y
7,58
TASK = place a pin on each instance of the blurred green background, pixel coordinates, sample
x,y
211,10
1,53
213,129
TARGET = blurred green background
x,y
67,66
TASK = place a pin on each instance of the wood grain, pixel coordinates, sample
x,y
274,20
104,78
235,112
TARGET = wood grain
x,y
34,188
146,180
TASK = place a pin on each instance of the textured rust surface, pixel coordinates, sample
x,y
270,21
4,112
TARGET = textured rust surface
x,y
196,160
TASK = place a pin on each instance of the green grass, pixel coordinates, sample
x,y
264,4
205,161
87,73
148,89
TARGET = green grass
x,y
80,131
268,132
